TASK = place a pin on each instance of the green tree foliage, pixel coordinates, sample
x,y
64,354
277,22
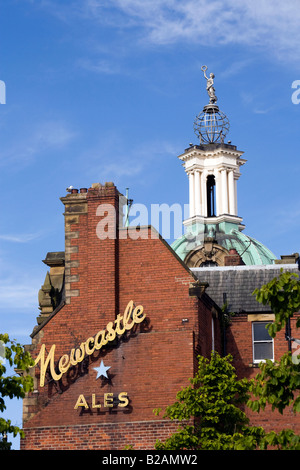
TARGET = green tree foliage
x,y
212,416
15,385
211,410
278,383
282,294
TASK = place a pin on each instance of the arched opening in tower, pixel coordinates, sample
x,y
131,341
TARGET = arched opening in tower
x,y
211,203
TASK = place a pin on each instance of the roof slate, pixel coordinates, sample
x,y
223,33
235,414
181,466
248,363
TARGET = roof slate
x,y
238,283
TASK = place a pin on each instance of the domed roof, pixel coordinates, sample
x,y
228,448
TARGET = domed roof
x,y
251,251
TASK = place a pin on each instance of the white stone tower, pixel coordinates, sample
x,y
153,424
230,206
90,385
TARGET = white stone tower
x,y
213,227
213,171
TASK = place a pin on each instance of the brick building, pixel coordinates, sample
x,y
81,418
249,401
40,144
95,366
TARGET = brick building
x,y
123,315
155,314
246,338
153,342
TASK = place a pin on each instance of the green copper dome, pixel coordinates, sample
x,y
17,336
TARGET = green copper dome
x,y
228,237
252,251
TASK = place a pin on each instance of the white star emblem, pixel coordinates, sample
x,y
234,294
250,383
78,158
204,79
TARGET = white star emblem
x,y
101,370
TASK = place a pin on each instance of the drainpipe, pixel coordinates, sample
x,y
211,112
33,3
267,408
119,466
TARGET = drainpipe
x,y
128,205
288,334
224,324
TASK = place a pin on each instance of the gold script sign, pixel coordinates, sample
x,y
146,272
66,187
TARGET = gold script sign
x,y
123,323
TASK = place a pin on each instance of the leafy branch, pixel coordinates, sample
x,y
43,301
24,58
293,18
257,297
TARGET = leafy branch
x,y
14,385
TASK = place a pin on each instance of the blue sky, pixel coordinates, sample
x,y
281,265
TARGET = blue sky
x,y
107,90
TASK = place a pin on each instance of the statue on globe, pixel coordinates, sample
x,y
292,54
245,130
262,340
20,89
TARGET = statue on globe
x,y
210,86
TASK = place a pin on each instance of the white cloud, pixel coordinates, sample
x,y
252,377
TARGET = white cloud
x,y
235,67
266,24
18,290
18,296
44,136
111,161
52,134
22,238
101,66
271,26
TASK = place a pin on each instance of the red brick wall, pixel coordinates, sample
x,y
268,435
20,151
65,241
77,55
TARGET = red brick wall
x,y
110,436
239,345
151,364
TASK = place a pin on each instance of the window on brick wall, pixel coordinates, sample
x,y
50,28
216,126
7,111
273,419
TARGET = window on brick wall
x,y
263,346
